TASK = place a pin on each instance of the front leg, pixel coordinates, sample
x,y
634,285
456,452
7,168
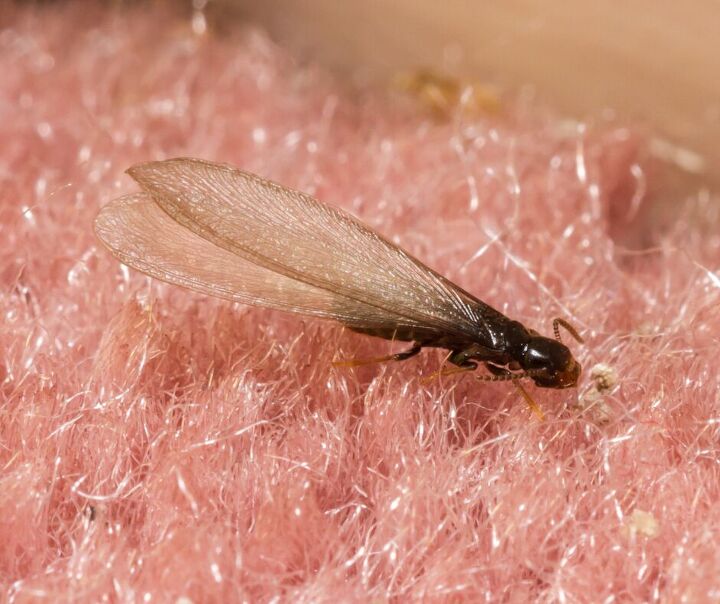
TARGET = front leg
x,y
472,354
463,359
501,372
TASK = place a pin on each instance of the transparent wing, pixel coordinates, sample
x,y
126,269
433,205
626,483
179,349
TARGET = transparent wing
x,y
140,234
295,235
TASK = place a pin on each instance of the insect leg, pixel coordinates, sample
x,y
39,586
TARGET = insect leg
x,y
534,407
398,356
499,374
462,362
462,358
443,372
411,352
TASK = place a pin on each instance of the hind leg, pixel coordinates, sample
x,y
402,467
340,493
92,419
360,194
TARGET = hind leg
x,y
462,363
398,356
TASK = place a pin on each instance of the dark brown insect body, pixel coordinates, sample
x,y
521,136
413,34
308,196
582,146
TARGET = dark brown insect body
x,y
220,231
511,347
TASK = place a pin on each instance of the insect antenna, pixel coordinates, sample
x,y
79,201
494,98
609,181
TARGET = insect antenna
x,y
509,376
557,323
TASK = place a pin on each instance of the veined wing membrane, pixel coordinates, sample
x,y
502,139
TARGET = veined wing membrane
x,y
141,235
293,234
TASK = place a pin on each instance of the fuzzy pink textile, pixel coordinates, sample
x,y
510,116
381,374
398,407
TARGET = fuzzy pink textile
x,y
158,446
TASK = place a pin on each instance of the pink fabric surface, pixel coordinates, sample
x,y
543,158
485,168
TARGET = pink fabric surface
x,y
156,445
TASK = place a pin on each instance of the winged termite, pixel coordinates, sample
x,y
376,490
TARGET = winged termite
x,y
220,231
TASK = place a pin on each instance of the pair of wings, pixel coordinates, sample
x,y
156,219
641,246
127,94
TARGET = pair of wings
x,y
230,234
